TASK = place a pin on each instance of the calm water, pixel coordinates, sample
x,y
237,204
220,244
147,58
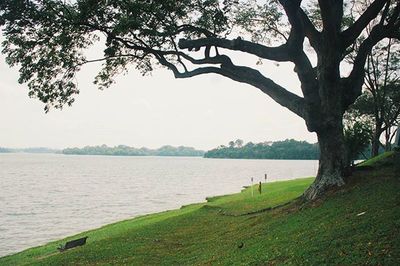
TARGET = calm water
x,y
44,197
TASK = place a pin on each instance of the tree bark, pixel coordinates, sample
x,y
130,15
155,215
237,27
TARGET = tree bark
x,y
332,163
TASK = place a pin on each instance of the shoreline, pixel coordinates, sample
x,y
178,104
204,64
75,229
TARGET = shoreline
x,y
150,215
250,228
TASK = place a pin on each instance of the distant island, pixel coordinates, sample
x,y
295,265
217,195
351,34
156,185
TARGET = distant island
x,y
288,149
29,150
123,150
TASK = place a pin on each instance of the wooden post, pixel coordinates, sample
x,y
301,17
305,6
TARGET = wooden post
x,y
265,178
259,187
252,193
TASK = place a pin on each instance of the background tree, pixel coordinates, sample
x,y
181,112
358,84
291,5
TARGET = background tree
x,y
46,39
231,144
238,143
380,100
383,82
358,137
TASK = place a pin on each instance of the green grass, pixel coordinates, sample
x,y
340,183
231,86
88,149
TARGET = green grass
x,y
272,195
375,161
324,232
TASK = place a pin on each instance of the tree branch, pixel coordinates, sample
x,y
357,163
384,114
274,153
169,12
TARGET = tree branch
x,y
279,94
187,27
300,26
241,74
279,53
356,78
350,35
238,73
313,35
394,18
296,36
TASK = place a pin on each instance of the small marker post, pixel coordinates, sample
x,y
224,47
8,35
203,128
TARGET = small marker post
x,y
252,192
265,178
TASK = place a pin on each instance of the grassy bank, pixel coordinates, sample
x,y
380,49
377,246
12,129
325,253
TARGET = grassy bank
x,y
271,228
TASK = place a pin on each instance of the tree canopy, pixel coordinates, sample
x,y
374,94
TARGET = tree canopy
x,y
46,39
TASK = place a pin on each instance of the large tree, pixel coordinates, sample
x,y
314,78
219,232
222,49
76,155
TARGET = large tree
x,y
46,39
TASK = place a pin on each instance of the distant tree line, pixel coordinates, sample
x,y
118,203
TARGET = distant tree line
x,y
4,150
29,150
287,149
123,150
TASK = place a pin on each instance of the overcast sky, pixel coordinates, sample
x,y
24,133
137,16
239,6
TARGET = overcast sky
x,y
202,112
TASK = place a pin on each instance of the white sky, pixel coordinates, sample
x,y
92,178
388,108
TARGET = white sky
x,y
202,112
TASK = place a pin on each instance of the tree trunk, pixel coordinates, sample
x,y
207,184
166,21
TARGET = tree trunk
x,y
375,139
397,139
327,121
375,145
388,138
332,163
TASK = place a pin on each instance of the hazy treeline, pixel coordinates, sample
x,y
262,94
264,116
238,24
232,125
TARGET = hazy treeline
x,y
123,150
287,149
29,150
4,150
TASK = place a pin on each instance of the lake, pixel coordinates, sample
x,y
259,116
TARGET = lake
x,y
45,197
